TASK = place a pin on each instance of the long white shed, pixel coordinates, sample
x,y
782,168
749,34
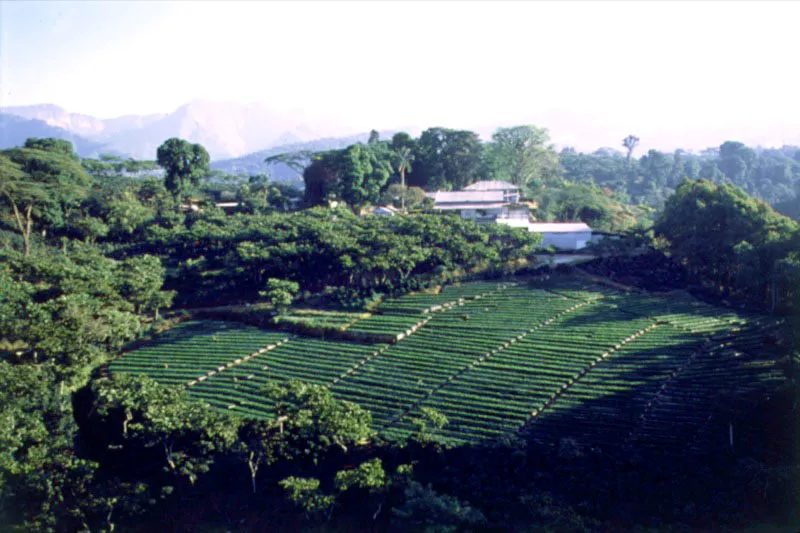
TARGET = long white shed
x,y
562,235
559,235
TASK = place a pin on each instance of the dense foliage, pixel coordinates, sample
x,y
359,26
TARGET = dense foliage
x,y
735,245
93,251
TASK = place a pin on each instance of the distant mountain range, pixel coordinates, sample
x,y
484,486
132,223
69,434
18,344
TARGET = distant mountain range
x,y
225,130
14,130
239,136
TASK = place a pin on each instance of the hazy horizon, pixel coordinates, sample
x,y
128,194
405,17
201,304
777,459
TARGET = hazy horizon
x,y
683,74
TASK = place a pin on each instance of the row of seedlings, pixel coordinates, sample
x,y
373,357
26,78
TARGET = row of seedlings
x,y
401,425
499,395
679,422
193,349
414,367
401,316
308,359
603,405
417,303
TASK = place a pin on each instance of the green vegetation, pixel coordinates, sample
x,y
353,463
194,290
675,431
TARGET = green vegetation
x,y
501,357
280,363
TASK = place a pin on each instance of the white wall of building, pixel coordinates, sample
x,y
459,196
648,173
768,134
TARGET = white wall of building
x,y
472,214
566,241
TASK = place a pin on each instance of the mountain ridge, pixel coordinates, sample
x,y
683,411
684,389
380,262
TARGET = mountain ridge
x,y
226,130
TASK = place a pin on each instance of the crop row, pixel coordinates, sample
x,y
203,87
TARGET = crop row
x,y
676,420
420,302
402,315
193,349
307,359
523,377
604,405
419,364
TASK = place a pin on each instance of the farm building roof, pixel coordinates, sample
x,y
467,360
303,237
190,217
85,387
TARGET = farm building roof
x,y
445,207
491,185
468,197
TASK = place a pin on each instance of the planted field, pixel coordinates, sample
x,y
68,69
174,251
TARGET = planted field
x,y
241,388
193,349
557,359
398,315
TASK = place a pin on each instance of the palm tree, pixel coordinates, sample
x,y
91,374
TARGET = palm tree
x,y
403,158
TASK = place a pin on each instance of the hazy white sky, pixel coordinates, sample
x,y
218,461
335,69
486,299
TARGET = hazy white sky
x,y
653,68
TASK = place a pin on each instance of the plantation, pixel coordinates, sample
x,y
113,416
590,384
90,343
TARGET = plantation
x,y
555,358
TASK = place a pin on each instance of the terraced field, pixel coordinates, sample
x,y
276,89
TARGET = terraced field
x,y
554,359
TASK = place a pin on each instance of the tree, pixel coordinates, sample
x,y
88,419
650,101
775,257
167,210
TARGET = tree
x,y
59,146
41,182
630,143
735,161
363,173
374,137
403,159
321,178
309,424
143,414
732,243
521,155
184,164
142,278
280,293
259,184
313,422
446,159
402,139
426,510
41,473
297,161
429,425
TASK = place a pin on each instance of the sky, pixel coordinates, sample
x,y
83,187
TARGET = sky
x,y
674,73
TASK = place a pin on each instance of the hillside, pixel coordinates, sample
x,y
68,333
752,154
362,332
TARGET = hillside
x,y
558,360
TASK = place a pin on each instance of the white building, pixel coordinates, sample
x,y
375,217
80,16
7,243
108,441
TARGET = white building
x,y
498,202
560,235
483,201
509,190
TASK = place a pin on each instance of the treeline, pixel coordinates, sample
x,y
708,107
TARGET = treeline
x,y
399,171
562,184
218,259
771,174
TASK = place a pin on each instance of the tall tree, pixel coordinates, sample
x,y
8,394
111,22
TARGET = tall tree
x,y
521,155
184,163
403,159
446,159
363,173
402,139
321,177
630,143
